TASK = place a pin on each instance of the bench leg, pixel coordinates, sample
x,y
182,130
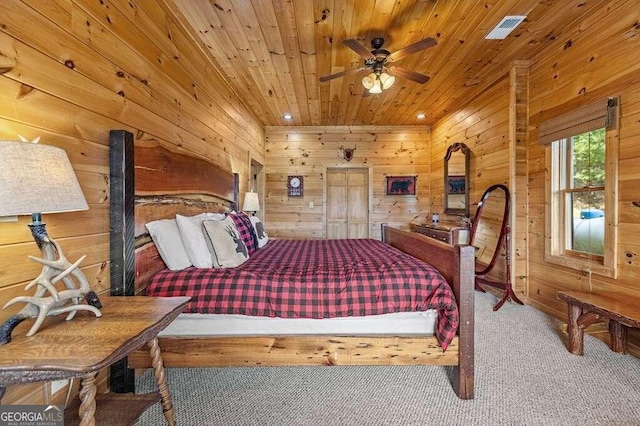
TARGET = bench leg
x,y
618,335
575,338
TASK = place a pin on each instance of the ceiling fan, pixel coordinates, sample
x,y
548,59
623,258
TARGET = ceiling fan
x,y
382,75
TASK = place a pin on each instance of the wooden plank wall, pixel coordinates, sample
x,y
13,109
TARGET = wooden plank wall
x,y
483,126
309,151
83,68
592,60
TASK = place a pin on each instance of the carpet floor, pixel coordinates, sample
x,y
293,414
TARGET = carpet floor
x,y
524,376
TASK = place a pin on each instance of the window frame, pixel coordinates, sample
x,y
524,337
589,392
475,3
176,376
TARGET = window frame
x,y
556,215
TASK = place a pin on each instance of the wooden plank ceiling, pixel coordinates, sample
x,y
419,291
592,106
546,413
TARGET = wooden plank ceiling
x,y
273,52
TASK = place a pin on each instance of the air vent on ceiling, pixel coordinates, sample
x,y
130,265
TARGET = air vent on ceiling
x,y
504,27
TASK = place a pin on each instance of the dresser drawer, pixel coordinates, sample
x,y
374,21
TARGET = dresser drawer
x,y
438,234
446,233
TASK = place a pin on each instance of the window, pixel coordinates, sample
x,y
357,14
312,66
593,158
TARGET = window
x,y
581,195
582,190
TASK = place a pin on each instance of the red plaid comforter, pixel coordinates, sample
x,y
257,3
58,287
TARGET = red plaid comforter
x,y
317,279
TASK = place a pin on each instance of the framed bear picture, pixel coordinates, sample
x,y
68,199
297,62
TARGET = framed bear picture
x,y
401,185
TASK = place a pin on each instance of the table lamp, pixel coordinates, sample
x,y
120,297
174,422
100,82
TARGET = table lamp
x,y
36,179
251,202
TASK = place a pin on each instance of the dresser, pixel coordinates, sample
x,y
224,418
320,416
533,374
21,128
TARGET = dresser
x,y
451,233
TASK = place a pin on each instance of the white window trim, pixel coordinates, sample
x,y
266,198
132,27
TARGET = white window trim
x,y
554,251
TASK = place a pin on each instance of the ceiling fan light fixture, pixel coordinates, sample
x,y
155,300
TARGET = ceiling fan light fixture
x,y
376,61
368,81
387,80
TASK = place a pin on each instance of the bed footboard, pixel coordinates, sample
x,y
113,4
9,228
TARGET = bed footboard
x,y
457,265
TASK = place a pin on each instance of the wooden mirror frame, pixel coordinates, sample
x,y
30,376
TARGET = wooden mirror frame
x,y
503,242
464,149
503,228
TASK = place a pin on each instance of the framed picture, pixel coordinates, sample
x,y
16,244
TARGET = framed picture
x,y
456,195
401,185
456,184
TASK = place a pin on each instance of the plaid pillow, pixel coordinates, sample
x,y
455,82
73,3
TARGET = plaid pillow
x,y
247,233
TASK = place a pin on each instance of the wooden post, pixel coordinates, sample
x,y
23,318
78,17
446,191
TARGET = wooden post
x,y
464,283
121,208
575,338
618,335
121,193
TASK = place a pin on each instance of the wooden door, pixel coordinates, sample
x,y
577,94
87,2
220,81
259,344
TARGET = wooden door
x,y
348,203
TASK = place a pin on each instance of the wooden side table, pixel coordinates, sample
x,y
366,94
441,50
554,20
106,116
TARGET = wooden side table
x,y
86,344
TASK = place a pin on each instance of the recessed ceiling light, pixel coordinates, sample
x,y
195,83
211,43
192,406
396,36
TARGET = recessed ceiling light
x,y
287,116
421,116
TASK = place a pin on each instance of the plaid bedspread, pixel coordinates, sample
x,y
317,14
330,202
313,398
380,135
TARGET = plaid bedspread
x,y
317,279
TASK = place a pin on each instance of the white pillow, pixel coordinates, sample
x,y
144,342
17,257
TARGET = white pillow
x,y
261,233
193,239
166,236
216,216
229,250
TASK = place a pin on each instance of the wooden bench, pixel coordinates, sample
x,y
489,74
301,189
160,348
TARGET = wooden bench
x,y
585,309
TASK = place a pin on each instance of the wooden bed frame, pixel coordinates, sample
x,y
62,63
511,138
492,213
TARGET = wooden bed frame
x,y
149,183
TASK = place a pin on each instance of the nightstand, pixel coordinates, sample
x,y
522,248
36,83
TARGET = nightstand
x,y
451,233
86,344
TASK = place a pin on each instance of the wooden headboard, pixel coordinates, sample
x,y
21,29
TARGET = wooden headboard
x,y
162,183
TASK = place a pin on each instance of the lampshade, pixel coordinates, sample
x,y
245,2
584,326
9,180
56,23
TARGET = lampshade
x,y
368,81
387,80
377,87
36,178
251,202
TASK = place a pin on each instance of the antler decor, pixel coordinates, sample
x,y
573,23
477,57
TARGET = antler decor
x,y
26,186
58,302
347,153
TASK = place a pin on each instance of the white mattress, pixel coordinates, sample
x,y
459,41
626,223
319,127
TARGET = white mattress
x,y
399,323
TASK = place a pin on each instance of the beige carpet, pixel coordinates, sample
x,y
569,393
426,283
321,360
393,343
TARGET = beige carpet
x,y
524,376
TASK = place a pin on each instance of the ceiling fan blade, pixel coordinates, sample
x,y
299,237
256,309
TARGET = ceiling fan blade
x,y
340,74
412,48
408,74
355,45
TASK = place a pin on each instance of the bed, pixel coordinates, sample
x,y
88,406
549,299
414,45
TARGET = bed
x,y
149,182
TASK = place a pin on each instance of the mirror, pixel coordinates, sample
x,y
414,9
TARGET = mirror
x,y
456,179
489,234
